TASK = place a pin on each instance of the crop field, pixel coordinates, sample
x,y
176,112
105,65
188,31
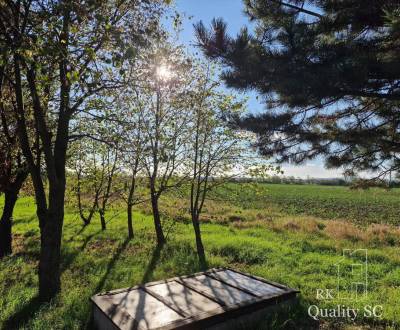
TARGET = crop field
x,y
374,205
290,234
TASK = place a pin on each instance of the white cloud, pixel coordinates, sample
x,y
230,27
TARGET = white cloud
x,y
311,170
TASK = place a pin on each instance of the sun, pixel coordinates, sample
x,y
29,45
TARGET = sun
x,y
163,72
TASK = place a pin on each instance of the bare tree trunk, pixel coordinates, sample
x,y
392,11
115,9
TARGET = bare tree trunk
x,y
49,265
107,193
50,252
88,219
157,219
130,205
102,220
130,221
10,198
199,242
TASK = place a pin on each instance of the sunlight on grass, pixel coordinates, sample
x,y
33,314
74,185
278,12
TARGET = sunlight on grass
x,y
295,251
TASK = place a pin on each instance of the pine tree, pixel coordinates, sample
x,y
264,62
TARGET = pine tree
x,y
329,72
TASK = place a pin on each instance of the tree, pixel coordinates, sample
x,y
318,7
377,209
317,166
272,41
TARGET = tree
x,y
109,163
99,138
88,182
329,73
67,52
262,172
215,149
131,112
133,162
164,122
13,169
96,165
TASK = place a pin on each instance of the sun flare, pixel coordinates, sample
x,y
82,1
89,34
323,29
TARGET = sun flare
x,y
163,72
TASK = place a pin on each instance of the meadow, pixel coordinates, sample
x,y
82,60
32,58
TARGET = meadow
x,y
292,234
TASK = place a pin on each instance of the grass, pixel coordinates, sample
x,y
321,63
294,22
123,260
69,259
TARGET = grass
x,y
374,205
300,251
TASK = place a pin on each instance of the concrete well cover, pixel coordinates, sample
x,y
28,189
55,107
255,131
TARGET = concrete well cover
x,y
196,301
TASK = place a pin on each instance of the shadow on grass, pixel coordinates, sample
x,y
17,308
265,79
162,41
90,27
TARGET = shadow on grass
x,y
84,226
147,276
69,258
29,252
24,219
89,322
142,297
111,264
22,316
79,232
28,311
151,266
289,316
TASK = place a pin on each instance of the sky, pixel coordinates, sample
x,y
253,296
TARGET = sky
x,y
232,12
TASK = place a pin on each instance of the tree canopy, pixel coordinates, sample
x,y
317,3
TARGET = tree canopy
x,y
62,55
328,71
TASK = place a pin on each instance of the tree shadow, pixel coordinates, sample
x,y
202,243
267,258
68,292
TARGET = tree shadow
x,y
148,273
24,219
80,231
151,266
22,316
28,311
145,278
89,321
69,258
111,264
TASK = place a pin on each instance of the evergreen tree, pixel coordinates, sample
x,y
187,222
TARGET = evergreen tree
x,y
328,71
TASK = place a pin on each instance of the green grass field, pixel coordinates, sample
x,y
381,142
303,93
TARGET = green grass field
x,y
363,207
290,234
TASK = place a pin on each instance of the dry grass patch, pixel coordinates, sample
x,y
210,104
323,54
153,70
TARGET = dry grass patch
x,y
383,234
291,225
249,224
303,224
379,234
18,243
343,230
225,213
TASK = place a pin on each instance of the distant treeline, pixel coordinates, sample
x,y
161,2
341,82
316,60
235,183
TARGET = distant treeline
x,y
356,182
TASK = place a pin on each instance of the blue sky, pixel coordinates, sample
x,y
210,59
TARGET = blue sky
x,y
232,12
206,10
